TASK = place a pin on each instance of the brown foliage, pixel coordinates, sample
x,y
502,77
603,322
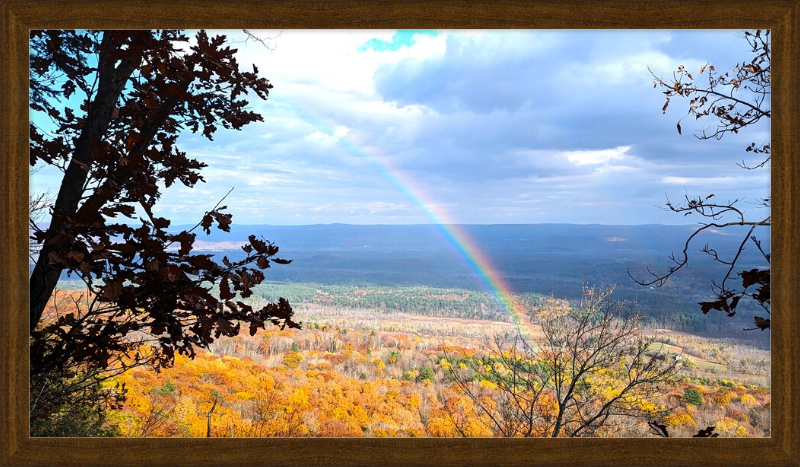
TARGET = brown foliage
x,y
138,90
116,151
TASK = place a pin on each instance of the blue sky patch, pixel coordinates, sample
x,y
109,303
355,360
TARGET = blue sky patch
x,y
403,37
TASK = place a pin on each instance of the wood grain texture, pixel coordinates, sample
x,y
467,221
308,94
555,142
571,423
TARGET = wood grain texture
x,y
17,17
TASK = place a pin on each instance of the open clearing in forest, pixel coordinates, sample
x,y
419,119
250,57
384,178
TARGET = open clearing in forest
x,y
701,363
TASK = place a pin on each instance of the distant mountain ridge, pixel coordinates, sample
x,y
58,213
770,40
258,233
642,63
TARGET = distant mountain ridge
x,y
549,259
527,237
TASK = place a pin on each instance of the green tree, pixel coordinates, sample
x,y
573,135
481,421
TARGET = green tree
x,y
72,402
426,372
693,396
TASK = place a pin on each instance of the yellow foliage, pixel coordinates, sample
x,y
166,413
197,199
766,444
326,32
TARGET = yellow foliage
x,y
611,393
393,383
243,395
292,359
298,400
678,419
485,383
185,408
726,426
641,403
305,394
475,429
749,400
265,381
547,405
723,399
441,427
500,369
414,400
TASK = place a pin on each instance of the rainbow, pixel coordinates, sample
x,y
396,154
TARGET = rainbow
x,y
453,234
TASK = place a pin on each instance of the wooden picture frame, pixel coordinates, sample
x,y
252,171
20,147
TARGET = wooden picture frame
x,y
18,16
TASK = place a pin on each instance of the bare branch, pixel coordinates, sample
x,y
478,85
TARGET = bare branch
x,y
262,40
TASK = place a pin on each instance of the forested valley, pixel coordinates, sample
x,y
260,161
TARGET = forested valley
x,y
412,362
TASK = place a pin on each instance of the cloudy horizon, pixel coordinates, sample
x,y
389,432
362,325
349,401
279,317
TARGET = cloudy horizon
x,y
470,127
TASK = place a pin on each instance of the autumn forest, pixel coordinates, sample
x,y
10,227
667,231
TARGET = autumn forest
x,y
384,372
159,316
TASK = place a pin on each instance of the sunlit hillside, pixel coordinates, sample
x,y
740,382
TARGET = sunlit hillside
x,y
361,368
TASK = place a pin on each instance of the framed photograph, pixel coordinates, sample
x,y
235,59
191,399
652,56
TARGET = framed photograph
x,y
412,214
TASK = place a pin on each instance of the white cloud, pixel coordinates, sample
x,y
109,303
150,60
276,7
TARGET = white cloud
x,y
594,157
700,181
329,60
341,131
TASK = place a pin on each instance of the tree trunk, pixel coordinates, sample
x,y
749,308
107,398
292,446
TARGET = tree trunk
x,y
111,81
45,275
559,420
208,427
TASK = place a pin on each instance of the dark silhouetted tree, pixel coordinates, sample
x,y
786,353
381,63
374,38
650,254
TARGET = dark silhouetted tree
x,y
117,102
38,206
737,98
661,431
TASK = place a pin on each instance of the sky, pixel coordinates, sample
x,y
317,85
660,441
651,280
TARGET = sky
x,y
468,127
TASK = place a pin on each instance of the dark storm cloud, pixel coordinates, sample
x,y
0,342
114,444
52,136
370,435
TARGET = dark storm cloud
x,y
553,90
